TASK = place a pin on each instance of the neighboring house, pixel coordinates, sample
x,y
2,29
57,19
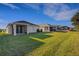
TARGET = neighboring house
x,y
49,28
21,27
54,28
45,27
61,28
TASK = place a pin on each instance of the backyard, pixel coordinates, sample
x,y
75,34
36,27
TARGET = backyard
x,y
40,44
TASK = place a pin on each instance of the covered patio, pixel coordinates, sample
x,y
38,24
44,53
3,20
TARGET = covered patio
x,y
19,29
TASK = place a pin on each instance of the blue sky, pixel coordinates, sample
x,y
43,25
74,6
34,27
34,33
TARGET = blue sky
x,y
56,14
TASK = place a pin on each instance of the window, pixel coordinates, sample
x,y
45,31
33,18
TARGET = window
x,y
19,29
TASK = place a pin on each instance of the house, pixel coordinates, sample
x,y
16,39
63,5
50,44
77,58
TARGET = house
x,y
54,28
61,28
49,28
45,27
21,27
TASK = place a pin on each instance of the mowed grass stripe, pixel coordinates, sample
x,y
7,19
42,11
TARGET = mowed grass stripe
x,y
41,44
51,45
66,47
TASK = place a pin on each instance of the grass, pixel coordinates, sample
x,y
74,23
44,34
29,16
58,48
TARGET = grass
x,y
2,33
41,44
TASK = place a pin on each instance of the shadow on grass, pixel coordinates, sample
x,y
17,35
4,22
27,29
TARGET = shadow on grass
x,y
41,36
17,45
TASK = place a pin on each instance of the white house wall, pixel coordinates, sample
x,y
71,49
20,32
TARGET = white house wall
x,y
31,29
43,29
9,30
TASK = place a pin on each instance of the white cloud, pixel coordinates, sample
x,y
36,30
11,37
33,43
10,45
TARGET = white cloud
x,y
65,15
57,11
35,6
11,6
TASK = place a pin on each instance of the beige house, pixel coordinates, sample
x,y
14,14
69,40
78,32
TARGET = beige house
x,y
21,27
45,27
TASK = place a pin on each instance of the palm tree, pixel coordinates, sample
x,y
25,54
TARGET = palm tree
x,y
75,21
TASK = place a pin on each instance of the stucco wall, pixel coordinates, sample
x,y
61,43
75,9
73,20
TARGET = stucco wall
x,y
31,29
9,29
43,28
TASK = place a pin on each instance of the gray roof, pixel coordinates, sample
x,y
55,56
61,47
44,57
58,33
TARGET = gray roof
x,y
21,22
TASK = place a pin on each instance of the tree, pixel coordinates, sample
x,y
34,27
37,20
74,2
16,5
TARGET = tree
x,y
75,21
0,30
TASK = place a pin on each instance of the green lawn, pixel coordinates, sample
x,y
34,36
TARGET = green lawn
x,y
41,44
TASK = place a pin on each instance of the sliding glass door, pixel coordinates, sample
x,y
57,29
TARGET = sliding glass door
x,y
20,28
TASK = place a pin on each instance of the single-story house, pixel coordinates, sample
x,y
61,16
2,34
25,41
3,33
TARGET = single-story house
x,y
60,28
21,27
49,28
44,27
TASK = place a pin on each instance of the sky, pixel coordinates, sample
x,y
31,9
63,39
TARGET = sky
x,y
40,13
